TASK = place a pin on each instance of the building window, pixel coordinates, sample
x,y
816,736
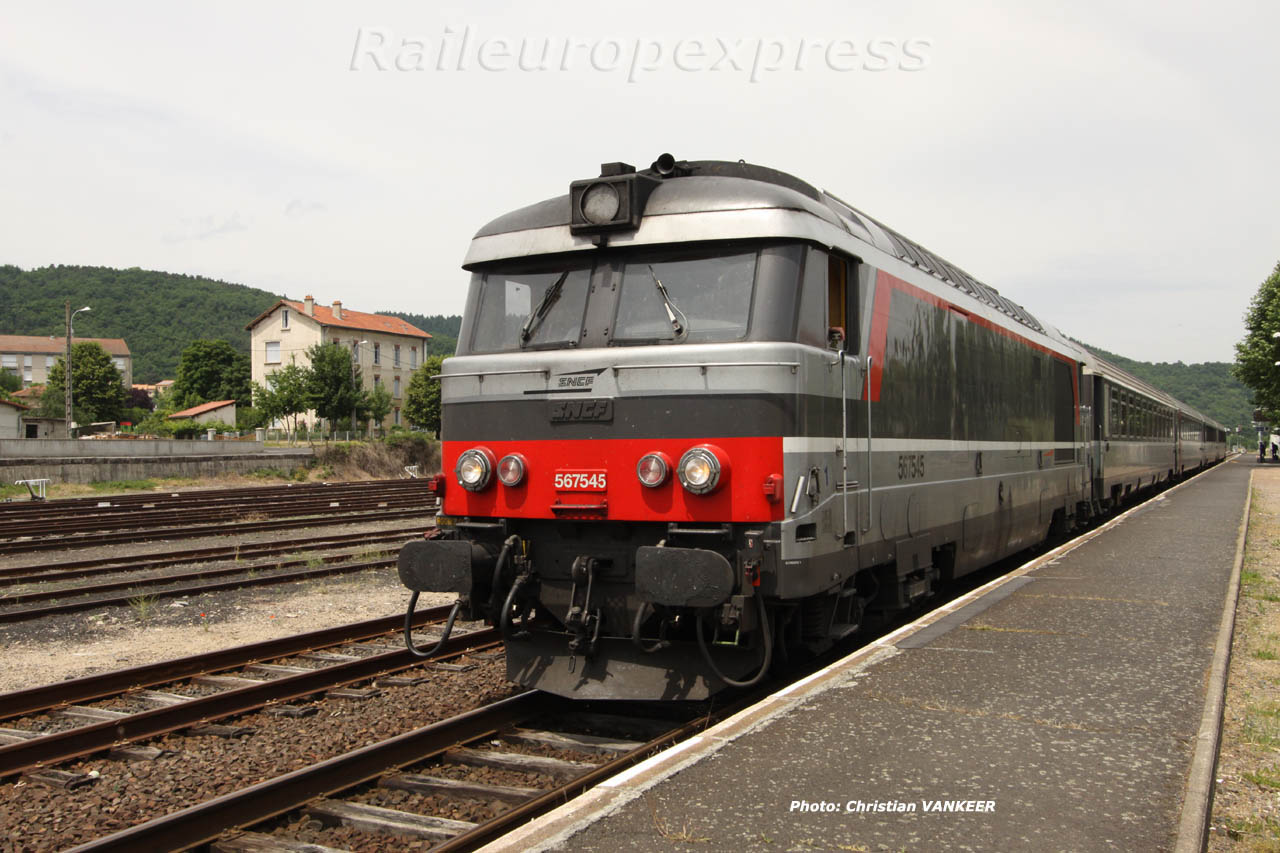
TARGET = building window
x,y
284,318
377,381
9,362
49,362
26,368
413,358
395,357
396,385
377,353
119,363
396,412
273,352
355,350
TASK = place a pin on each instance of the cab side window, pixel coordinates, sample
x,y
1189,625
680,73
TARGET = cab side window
x,y
842,300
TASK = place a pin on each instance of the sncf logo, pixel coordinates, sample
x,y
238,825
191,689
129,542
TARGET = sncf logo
x,y
567,411
583,379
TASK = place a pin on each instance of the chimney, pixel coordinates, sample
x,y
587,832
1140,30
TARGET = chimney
x,y
310,304
337,308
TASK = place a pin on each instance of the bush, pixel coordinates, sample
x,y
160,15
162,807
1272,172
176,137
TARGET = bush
x,y
416,448
249,418
186,428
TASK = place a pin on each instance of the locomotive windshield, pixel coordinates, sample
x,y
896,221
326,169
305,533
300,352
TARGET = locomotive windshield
x,y
641,297
710,298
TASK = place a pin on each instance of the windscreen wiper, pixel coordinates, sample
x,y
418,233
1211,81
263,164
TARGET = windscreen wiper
x,y
548,299
666,303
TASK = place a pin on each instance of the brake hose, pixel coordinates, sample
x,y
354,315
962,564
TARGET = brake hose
x,y
408,625
635,633
768,649
510,543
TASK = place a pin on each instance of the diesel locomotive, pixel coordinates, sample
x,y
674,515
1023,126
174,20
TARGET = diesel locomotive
x,y
704,416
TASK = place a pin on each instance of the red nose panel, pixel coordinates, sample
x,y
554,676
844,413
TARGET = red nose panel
x,y
597,480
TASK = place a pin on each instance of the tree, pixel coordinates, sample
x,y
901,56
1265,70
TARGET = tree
x,y
137,398
97,389
285,397
422,398
9,382
209,371
1257,354
331,387
377,404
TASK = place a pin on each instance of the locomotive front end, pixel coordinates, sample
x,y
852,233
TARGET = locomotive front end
x,y
613,444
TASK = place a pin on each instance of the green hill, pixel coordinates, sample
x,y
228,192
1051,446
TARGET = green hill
x,y
1209,386
443,329
157,313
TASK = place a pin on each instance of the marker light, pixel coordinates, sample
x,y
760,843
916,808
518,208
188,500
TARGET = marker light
x,y
474,468
511,469
600,203
699,470
653,469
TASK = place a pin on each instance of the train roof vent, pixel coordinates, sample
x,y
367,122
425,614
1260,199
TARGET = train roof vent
x,y
923,259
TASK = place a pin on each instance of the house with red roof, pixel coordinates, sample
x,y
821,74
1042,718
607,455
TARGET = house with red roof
x,y
387,349
33,356
219,412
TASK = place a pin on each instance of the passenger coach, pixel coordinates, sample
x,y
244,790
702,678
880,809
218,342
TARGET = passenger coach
x,y
706,406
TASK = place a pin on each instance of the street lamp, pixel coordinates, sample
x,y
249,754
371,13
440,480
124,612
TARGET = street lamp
x,y
355,366
71,330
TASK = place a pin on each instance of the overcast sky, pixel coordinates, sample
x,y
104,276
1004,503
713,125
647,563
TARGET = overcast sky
x,y
1111,166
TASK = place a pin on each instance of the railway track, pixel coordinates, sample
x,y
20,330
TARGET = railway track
x,y
13,511
546,748
47,525
336,516
55,723
139,589
74,569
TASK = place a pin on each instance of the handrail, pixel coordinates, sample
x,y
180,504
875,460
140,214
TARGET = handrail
x,y
794,365
545,371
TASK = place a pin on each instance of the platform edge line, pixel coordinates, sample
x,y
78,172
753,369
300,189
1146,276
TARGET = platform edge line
x,y
1197,799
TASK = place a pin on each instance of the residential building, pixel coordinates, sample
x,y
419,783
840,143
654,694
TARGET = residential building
x,y
220,412
386,349
154,391
33,356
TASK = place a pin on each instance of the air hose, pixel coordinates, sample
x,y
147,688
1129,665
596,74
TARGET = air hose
x,y
505,623
635,632
768,649
408,625
510,543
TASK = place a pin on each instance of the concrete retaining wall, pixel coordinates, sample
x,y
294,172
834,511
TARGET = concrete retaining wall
x,y
97,447
104,460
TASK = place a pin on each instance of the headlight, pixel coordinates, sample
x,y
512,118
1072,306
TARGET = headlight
x,y
474,468
699,470
511,469
600,204
653,469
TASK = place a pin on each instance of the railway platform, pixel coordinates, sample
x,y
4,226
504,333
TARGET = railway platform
x,y
1073,704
